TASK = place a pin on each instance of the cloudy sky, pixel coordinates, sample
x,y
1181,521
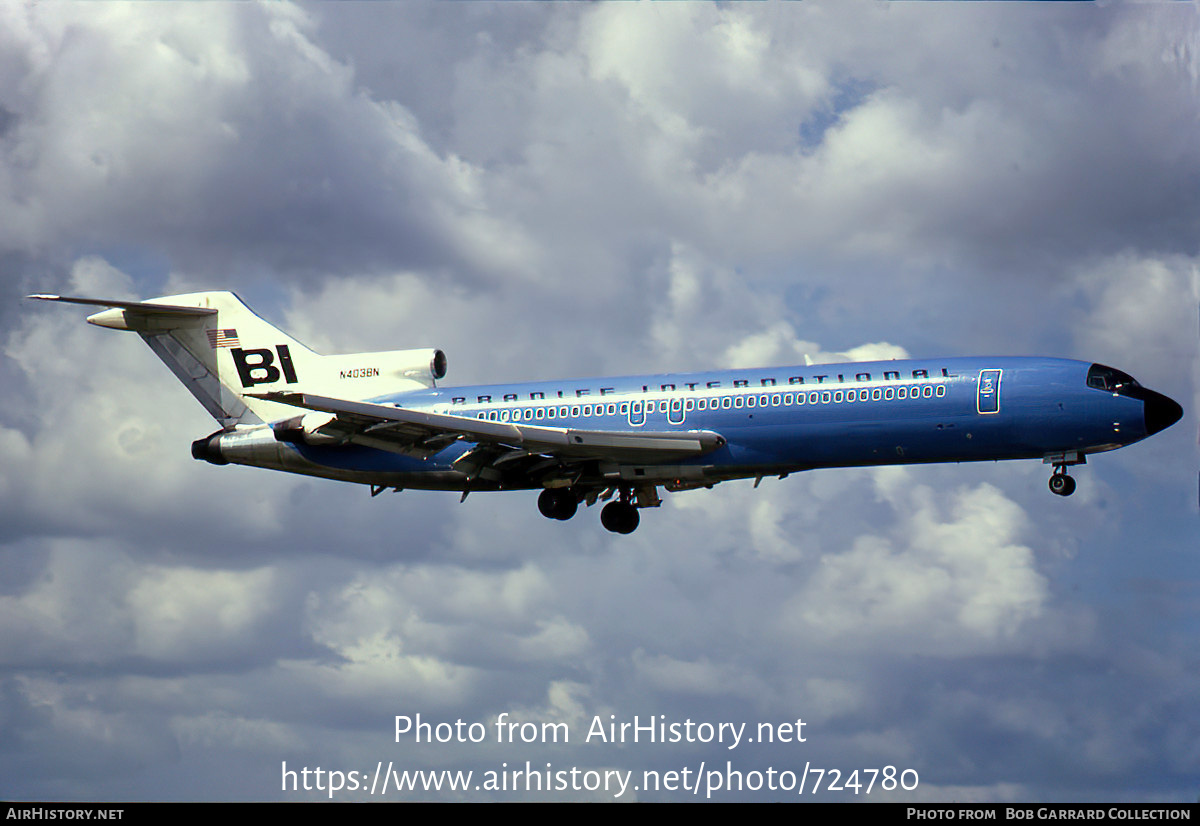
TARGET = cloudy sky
x,y
573,189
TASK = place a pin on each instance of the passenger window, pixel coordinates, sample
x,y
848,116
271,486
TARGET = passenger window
x,y
726,403
889,394
901,392
575,412
941,390
775,401
927,392
624,408
837,397
612,409
875,394
738,401
825,396
787,399
749,401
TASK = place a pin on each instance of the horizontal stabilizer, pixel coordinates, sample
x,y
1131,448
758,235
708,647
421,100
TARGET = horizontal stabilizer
x,y
135,306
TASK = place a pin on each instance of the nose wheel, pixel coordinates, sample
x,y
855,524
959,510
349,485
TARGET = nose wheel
x,y
1060,483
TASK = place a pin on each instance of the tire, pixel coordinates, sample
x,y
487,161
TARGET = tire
x,y
557,503
619,517
1062,484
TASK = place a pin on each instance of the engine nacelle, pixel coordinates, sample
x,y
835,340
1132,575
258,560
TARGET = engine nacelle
x,y
303,429
363,375
208,449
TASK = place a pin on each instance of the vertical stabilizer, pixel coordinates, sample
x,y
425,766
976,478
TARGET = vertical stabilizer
x,y
228,357
216,346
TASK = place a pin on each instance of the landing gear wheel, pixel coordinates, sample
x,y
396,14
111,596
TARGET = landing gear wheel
x,y
620,517
1062,484
557,503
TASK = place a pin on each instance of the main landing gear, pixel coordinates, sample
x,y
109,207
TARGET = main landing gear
x,y
618,516
558,503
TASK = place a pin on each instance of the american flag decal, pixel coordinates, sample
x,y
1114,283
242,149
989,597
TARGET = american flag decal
x,y
222,338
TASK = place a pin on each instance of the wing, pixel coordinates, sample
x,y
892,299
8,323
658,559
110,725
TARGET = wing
x,y
417,433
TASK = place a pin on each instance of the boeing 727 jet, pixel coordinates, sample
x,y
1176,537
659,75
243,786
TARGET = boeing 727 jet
x,y
381,419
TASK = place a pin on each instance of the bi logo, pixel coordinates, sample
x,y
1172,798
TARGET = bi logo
x,y
258,366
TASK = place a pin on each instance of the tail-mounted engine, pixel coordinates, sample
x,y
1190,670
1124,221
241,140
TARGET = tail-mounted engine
x,y
362,375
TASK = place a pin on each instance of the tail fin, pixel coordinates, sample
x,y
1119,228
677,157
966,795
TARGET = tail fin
x,y
225,354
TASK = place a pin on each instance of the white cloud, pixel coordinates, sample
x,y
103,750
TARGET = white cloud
x,y
944,582
664,673
183,614
232,122
93,602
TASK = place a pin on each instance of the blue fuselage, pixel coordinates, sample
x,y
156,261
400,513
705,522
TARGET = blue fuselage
x,y
782,419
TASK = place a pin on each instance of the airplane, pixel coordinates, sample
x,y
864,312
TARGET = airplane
x,y
381,419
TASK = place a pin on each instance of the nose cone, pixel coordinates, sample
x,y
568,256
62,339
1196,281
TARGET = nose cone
x,y
1161,412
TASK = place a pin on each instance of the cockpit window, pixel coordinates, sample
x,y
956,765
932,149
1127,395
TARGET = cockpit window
x,y
1110,379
